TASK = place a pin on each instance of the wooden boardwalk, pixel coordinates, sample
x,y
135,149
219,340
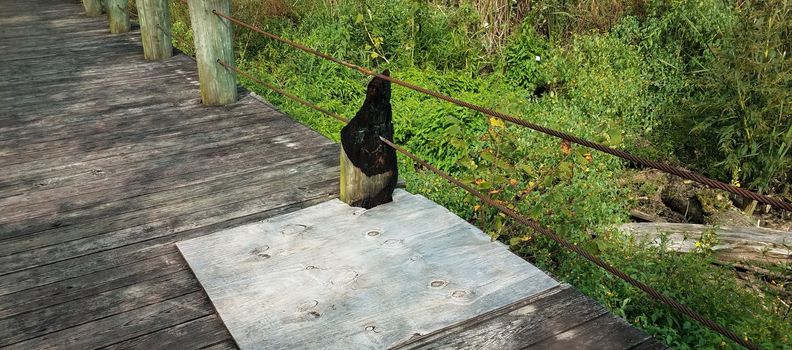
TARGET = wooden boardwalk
x,y
107,160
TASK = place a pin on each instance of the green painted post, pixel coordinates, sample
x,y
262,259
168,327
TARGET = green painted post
x,y
155,29
118,16
212,36
93,8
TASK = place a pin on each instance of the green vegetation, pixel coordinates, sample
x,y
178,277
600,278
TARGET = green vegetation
x,y
704,83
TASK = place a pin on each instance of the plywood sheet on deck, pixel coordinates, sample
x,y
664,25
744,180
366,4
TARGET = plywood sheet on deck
x,y
333,276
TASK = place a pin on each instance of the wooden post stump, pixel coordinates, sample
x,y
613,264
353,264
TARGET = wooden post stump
x,y
212,35
368,166
93,8
155,29
118,16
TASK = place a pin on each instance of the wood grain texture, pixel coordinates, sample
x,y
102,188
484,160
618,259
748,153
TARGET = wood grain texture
x,y
357,188
735,244
201,333
357,278
92,7
107,160
59,292
118,16
560,318
155,29
212,35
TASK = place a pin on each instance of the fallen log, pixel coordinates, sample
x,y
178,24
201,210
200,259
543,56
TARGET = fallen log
x,y
735,244
642,216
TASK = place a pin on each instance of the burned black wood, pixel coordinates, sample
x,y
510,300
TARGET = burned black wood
x,y
366,153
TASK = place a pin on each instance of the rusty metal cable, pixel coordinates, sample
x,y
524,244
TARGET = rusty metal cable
x,y
657,295
284,93
683,173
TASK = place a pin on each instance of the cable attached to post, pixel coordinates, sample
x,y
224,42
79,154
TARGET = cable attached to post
x,y
683,173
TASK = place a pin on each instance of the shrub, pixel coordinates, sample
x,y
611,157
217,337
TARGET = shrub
x,y
739,109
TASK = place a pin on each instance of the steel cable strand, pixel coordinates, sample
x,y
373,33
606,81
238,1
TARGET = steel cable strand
x,y
284,93
657,295
683,173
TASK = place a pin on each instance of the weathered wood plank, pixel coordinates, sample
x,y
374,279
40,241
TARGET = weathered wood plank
x,y
516,326
604,332
561,318
201,333
29,325
89,284
105,138
74,100
78,30
178,202
104,154
195,211
132,253
355,277
107,157
134,323
145,178
44,44
225,345
735,244
63,26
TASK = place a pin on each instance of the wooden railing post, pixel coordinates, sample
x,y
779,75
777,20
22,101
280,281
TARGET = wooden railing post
x,y
118,16
212,43
93,8
368,166
155,29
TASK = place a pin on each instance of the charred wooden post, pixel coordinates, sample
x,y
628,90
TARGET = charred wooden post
x,y
118,16
212,35
155,29
368,166
93,8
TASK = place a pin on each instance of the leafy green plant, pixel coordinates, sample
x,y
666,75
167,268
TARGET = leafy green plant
x,y
739,110
523,58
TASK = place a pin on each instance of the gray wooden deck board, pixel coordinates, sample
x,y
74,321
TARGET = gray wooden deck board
x,y
107,160
323,269
560,318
